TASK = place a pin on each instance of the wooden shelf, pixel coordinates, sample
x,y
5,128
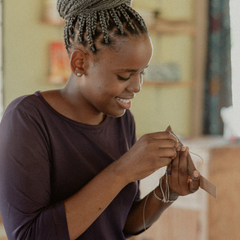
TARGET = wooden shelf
x,y
189,84
158,26
161,26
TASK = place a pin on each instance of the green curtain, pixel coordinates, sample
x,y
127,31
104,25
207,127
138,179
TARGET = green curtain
x,y
218,92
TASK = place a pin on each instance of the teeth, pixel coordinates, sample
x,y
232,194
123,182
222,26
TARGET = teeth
x,y
124,100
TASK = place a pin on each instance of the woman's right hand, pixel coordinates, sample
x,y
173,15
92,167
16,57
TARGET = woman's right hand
x,y
151,152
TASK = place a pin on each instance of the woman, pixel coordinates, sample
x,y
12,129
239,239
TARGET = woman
x,y
69,159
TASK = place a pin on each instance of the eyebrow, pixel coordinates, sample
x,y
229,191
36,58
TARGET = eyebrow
x,y
131,70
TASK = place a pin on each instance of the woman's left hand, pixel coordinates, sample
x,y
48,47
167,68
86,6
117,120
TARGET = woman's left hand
x,y
180,182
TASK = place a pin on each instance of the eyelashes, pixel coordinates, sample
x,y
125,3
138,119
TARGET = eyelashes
x,y
125,79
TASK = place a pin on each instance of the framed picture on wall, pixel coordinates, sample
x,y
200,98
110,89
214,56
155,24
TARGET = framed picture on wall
x,y
59,63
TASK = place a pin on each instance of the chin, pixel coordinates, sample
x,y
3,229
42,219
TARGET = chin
x,y
117,115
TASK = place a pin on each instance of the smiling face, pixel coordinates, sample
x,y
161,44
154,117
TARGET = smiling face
x,y
111,81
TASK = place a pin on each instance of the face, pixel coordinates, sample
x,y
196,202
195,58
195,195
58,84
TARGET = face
x,y
112,81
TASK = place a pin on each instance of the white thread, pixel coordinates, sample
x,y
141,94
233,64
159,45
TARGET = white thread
x,y
167,191
160,199
199,157
178,141
160,186
166,195
144,223
189,151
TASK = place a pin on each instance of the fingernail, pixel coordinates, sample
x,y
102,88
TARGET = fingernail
x,y
196,174
178,149
183,149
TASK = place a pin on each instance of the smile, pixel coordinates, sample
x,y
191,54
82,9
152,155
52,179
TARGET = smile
x,y
124,100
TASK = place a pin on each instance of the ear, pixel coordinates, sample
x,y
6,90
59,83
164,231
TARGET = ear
x,y
78,62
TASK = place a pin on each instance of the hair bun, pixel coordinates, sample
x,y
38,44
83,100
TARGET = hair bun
x,y
72,8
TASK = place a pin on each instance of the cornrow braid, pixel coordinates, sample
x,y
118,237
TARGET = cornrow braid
x,y
81,25
89,32
117,20
69,31
104,21
94,22
98,20
135,14
122,10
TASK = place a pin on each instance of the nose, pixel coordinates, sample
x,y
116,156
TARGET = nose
x,y
135,84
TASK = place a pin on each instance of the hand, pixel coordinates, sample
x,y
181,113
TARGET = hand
x,y
149,153
180,182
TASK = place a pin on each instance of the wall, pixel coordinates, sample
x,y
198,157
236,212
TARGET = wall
x,y
25,57
156,107
25,51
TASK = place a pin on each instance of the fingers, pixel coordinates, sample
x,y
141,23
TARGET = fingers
x,y
164,136
164,162
166,143
169,169
162,144
167,152
174,172
194,181
183,166
179,178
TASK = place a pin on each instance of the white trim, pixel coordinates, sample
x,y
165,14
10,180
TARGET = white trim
x,y
235,37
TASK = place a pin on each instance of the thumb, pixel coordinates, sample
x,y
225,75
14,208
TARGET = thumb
x,y
195,181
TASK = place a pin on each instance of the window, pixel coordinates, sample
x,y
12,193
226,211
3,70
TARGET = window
x,y
235,55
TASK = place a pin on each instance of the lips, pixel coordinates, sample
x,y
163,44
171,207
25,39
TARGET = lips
x,y
124,103
124,100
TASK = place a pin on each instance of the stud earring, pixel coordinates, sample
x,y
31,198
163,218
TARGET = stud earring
x,y
79,74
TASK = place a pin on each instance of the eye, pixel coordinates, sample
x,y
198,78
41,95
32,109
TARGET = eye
x,y
142,73
122,78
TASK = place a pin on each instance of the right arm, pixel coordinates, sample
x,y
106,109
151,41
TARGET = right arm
x,y
150,153
25,189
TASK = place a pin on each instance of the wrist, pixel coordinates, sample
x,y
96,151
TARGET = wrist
x,y
164,200
120,172
164,192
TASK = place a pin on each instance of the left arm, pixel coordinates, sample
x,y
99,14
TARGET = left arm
x,y
147,210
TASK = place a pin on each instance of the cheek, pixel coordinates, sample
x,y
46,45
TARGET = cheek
x,y
102,90
101,87
107,85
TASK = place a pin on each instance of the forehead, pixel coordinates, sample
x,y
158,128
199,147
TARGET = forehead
x,y
133,52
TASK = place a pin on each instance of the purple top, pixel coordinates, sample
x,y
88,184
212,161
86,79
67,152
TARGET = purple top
x,y
46,157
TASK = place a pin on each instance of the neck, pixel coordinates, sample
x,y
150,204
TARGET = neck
x,y
77,107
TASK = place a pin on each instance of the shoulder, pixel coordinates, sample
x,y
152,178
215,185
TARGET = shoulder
x,y
23,122
27,105
23,102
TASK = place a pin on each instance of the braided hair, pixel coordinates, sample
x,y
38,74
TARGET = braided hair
x,y
87,20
